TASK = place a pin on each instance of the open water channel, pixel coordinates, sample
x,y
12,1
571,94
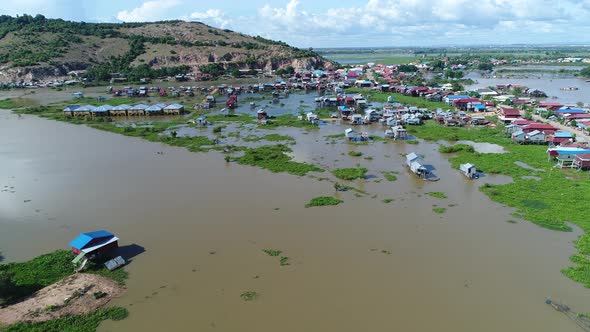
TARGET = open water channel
x,y
360,266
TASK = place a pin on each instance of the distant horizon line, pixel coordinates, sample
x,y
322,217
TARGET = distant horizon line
x,y
564,44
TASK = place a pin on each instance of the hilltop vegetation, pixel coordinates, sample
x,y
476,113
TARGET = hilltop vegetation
x,y
53,47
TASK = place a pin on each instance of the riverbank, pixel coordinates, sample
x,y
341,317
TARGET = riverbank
x,y
45,292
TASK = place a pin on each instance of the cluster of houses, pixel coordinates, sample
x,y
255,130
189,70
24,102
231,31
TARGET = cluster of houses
x,y
124,110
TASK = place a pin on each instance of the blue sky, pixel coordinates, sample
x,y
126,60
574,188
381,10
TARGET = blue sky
x,y
353,23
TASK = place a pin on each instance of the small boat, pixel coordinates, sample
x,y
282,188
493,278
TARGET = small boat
x,y
569,88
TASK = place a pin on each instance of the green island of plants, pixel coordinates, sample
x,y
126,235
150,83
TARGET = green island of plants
x,y
350,174
355,153
439,210
275,159
323,201
389,176
249,296
437,194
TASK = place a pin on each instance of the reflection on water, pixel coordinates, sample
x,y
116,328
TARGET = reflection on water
x,y
361,266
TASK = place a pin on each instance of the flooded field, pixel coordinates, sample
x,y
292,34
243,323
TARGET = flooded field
x,y
363,265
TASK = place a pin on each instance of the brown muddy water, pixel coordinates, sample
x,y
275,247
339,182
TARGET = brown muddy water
x,y
361,266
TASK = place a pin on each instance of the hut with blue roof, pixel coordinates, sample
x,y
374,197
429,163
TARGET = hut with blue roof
x,y
95,245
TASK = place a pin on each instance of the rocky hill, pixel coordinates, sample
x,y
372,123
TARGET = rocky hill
x,y
36,48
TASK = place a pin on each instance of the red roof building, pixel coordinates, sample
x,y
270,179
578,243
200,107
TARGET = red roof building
x,y
510,113
546,128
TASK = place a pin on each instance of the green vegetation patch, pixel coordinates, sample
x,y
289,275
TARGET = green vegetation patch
x,y
275,159
439,210
355,153
350,173
249,296
387,200
12,103
79,323
456,148
437,194
323,201
272,252
269,137
389,176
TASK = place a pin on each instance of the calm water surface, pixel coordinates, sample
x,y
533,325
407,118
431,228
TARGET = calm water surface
x,y
203,224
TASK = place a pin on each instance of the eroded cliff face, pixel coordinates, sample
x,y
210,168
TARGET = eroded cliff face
x,y
40,73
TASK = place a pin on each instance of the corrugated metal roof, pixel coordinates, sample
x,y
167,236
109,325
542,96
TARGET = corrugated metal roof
x,y
83,239
139,107
174,107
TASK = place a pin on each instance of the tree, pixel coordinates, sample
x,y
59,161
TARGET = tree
x,y
517,91
485,66
585,72
457,87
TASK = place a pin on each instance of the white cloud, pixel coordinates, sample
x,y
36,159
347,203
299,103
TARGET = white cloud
x,y
426,21
213,17
148,11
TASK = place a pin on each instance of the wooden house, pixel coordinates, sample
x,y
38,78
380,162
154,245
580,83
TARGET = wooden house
x,y
582,161
103,110
97,245
416,165
560,137
357,119
350,134
137,109
69,110
174,109
154,110
519,136
535,136
261,114
469,170
84,110
120,110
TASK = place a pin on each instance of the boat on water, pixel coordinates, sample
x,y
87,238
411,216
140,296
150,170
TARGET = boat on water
x,y
569,88
582,321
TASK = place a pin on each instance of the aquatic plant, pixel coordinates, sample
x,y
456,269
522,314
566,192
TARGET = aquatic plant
x,y
323,201
249,296
284,260
272,252
389,176
350,173
437,194
269,137
355,153
387,200
275,159
439,210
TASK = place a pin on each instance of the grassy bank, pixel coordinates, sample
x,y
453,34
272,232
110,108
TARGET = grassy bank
x,y
19,280
552,199
13,103
79,323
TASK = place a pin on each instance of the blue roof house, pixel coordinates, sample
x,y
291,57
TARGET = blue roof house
x,y
95,245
